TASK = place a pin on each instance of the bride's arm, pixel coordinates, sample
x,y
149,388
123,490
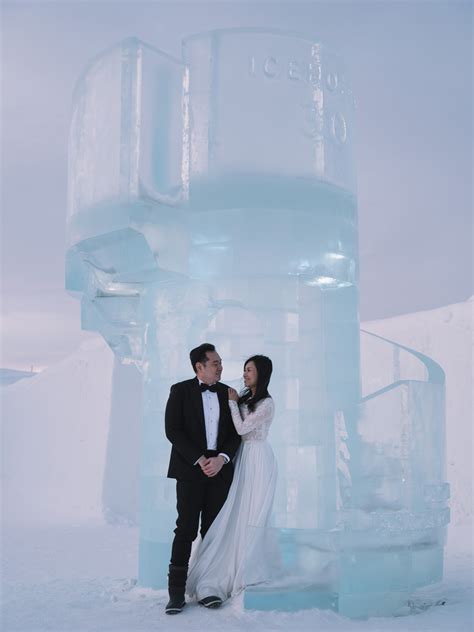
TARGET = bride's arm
x,y
263,413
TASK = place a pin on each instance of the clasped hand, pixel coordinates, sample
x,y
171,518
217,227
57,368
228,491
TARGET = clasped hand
x,y
212,465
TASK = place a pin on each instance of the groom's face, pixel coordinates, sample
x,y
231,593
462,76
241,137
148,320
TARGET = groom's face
x,y
211,371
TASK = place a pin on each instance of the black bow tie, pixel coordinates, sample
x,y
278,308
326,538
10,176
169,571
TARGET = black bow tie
x,y
206,387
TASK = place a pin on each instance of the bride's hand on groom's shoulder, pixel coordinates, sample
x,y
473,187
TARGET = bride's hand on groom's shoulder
x,y
233,394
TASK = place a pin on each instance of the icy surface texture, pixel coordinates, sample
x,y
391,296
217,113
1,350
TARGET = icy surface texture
x,y
213,199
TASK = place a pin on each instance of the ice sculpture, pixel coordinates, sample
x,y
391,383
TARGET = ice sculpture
x,y
213,199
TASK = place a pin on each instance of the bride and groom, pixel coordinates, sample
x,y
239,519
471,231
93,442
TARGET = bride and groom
x,y
225,475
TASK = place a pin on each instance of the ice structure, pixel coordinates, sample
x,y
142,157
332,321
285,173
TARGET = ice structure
x,y
213,198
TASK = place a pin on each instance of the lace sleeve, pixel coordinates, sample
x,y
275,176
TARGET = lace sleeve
x,y
262,414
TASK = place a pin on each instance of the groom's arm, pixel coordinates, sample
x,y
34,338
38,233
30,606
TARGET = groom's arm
x,y
230,446
174,428
232,441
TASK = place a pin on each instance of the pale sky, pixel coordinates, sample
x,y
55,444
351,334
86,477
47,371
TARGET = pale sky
x,y
411,69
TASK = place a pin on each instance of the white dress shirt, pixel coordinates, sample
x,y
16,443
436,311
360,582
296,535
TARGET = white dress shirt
x,y
210,404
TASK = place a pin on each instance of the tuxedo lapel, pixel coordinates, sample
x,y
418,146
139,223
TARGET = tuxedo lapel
x,y
222,395
197,403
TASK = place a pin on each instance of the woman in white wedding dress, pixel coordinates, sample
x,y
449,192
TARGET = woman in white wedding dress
x,y
220,563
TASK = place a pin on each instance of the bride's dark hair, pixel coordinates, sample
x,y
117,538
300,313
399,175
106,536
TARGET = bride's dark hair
x,y
264,368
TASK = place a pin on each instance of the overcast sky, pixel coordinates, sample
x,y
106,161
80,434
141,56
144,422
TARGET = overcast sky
x,y
411,69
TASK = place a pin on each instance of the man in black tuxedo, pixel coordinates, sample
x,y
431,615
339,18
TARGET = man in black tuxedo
x,y
199,425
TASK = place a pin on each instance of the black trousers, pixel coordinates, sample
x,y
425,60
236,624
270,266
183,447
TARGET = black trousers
x,y
200,499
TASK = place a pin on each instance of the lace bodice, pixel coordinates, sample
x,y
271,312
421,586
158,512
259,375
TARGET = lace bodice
x,y
253,426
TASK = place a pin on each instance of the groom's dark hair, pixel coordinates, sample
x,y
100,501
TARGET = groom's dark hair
x,y
199,354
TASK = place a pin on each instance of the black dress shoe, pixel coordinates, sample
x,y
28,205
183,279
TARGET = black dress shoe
x,y
175,605
211,602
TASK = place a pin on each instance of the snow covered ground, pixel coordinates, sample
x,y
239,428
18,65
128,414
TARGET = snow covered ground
x,y
64,434
83,579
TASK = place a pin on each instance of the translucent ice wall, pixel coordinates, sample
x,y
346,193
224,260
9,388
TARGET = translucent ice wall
x,y
213,199
390,502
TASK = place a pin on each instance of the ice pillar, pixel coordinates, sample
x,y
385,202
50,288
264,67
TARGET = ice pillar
x,y
213,198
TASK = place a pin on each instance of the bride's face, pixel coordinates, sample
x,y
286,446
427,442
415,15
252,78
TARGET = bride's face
x,y
250,375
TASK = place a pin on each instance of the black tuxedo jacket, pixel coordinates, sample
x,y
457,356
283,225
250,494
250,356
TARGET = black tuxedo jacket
x,y
185,428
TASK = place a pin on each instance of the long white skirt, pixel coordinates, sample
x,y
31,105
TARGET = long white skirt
x,y
231,556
